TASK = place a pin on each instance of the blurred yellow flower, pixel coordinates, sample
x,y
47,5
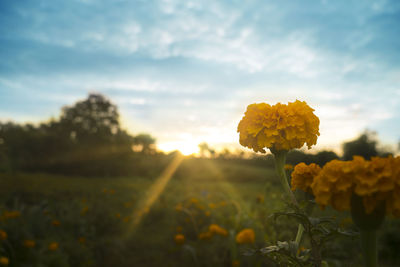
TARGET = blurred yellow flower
x,y
179,207
235,263
278,127
4,261
29,243
211,206
179,239
303,176
3,235
82,240
246,236
207,213
218,230
11,214
205,235
53,246
288,167
56,223
84,210
118,215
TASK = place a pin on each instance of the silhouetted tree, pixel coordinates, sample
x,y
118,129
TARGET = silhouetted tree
x,y
144,143
91,121
365,146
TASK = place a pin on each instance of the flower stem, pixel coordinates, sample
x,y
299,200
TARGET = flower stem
x,y
369,249
280,159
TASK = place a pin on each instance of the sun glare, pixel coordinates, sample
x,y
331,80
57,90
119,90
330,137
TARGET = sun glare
x,y
187,147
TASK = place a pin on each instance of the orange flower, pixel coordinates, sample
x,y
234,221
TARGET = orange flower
x,y
29,243
3,235
56,223
303,176
278,127
216,229
246,236
179,239
53,246
4,261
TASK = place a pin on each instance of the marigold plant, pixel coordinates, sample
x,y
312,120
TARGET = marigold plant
x,y
278,127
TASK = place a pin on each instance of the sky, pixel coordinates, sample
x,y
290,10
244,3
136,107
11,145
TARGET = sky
x,y
185,71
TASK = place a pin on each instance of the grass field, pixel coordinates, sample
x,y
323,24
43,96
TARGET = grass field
x,y
132,221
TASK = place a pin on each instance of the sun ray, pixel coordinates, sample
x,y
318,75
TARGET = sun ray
x,y
153,193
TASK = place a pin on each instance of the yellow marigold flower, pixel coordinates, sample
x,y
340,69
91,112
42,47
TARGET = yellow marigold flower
x,y
205,235
11,214
53,246
3,235
179,207
216,229
4,261
246,236
235,263
288,167
29,243
333,185
212,206
179,239
303,176
194,200
375,181
207,213
56,223
260,199
278,127
84,210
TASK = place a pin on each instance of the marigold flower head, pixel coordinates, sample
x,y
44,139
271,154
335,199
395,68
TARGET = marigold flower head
x,y
205,235
53,246
375,181
4,261
333,185
29,243
246,236
278,127
218,230
303,176
11,214
3,235
179,239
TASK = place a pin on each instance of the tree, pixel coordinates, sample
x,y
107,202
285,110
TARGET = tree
x,y
364,145
144,143
93,120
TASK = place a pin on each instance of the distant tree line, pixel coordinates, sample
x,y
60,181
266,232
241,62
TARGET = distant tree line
x,y
86,139
366,145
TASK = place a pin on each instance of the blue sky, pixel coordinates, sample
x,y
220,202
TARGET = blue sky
x,y
185,71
